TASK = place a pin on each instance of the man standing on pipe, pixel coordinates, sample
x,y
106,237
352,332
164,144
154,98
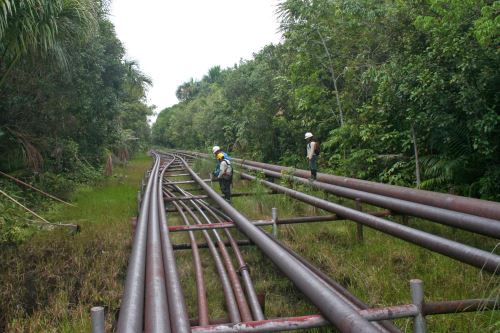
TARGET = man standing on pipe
x,y
312,154
223,172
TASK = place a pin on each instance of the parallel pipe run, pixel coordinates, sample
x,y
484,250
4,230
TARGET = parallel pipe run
x,y
237,288
484,208
477,207
481,225
130,319
179,318
243,269
156,310
343,292
339,313
475,257
231,303
198,270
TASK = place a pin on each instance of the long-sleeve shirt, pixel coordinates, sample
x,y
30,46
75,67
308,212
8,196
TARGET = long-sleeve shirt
x,y
311,147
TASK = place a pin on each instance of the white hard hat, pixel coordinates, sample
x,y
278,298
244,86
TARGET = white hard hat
x,y
215,149
308,135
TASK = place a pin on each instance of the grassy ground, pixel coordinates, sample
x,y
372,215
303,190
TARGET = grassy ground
x,y
377,270
49,283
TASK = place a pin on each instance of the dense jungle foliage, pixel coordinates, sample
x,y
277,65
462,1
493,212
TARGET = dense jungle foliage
x,y
69,100
382,84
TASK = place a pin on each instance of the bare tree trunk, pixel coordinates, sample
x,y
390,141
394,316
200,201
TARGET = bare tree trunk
x,y
417,164
334,79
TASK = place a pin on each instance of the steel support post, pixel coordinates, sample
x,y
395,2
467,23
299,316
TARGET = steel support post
x,y
274,213
417,296
359,226
97,314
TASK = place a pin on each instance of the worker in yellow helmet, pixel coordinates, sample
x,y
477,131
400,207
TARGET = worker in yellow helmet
x,y
223,172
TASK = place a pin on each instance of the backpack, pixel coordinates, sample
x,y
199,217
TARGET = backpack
x,y
317,149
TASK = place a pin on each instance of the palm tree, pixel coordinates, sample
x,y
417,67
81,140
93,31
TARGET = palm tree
x,y
40,27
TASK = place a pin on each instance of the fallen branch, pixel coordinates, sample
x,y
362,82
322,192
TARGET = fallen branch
x,y
34,188
74,226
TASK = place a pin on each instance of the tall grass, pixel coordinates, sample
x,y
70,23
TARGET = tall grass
x,y
377,270
49,283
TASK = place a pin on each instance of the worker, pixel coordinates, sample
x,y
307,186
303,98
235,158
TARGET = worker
x,y
223,172
312,154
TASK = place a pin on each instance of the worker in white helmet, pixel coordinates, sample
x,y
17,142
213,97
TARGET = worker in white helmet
x,y
313,150
223,172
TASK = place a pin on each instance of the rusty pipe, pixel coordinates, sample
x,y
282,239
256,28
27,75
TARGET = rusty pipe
x,y
237,288
231,303
481,225
472,256
483,208
179,318
156,309
198,270
253,300
130,319
339,313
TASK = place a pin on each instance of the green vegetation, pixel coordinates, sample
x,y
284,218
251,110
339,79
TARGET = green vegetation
x,y
375,81
69,100
50,282
377,271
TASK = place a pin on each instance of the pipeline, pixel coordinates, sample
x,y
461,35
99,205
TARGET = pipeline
x,y
198,270
483,208
475,257
178,313
243,269
130,319
338,312
477,224
156,310
231,303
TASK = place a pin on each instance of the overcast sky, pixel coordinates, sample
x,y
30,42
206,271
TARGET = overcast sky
x,y
176,40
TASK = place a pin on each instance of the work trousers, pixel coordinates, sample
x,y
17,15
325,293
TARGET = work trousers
x,y
313,166
225,187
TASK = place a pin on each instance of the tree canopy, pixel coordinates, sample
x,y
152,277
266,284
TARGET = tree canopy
x,y
382,84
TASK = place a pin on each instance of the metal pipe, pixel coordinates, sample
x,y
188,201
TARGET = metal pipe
x,y
183,246
481,225
237,288
198,270
179,318
132,304
291,220
156,308
417,296
343,316
348,297
466,305
472,256
243,269
231,303
484,208
306,322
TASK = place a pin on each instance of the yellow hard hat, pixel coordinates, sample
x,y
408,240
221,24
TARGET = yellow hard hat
x,y
220,156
